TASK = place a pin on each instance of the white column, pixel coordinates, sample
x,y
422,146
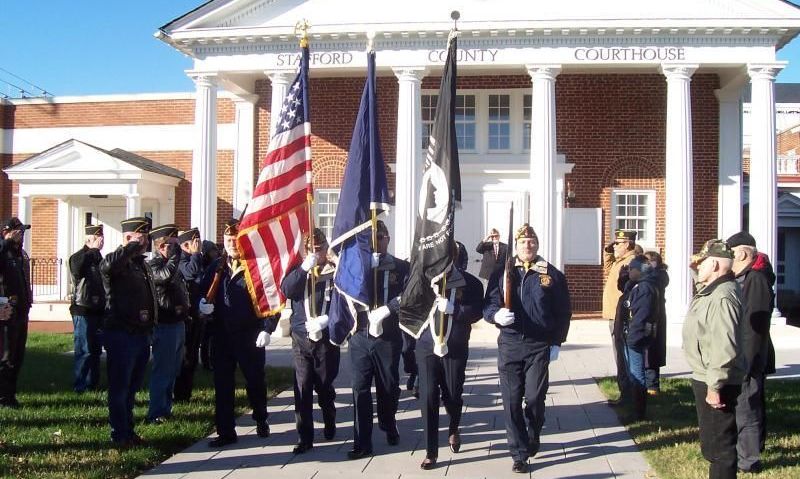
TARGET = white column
x,y
763,194
244,155
63,245
25,214
543,215
729,190
679,171
204,158
280,80
409,153
133,205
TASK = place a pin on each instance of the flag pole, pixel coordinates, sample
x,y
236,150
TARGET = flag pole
x,y
302,27
375,249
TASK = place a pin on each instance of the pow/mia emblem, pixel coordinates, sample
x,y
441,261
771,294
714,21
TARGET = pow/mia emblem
x,y
545,280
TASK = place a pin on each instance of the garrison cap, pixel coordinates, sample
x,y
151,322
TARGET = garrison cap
x,y
169,231
231,227
137,224
716,248
625,235
525,231
188,235
95,230
742,238
14,223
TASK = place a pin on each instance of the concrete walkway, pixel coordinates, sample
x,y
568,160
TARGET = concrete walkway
x,y
582,437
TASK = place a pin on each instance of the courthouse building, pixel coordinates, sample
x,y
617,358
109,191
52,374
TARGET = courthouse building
x,y
587,116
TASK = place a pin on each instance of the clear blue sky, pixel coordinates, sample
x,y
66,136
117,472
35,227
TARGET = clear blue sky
x,y
83,47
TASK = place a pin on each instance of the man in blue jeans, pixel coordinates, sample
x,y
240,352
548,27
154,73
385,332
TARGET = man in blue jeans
x,y
131,312
87,306
169,334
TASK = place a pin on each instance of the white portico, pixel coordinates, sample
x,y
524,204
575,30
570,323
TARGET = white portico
x,y
236,43
93,186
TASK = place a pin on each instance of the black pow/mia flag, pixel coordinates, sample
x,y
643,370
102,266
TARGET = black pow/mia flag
x,y
440,190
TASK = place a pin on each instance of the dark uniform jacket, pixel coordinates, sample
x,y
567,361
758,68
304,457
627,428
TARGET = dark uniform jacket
x,y
233,308
642,302
657,352
467,309
130,293
171,291
88,296
540,302
296,286
15,271
192,269
392,278
489,263
758,301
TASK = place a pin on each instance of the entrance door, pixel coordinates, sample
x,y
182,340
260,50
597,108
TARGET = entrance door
x,y
496,205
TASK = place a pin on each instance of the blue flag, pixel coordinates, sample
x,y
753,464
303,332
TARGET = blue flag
x,y
363,188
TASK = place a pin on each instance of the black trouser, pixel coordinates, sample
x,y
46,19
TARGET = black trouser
x,y
717,430
447,373
751,421
230,350
316,365
409,358
618,345
523,364
13,336
184,383
379,358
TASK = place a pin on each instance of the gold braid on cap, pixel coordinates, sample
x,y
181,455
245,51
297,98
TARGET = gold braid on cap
x,y
525,231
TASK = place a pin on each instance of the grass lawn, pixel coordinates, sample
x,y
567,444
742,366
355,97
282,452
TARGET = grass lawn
x,y
58,433
670,440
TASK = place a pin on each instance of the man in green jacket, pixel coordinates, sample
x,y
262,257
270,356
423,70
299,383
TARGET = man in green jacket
x,y
712,343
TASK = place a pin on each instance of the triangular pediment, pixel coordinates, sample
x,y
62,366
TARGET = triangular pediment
x,y
74,157
382,16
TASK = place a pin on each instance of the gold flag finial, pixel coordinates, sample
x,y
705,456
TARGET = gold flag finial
x,y
301,28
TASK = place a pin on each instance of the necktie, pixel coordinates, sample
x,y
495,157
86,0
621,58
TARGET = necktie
x,y
496,251
526,265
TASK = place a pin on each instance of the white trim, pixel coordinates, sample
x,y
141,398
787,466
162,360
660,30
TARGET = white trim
x,y
651,216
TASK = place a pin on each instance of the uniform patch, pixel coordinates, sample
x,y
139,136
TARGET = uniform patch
x,y
545,280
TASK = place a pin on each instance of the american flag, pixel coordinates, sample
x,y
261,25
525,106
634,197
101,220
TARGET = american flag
x,y
271,233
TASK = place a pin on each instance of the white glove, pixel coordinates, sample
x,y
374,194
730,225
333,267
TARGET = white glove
x,y
323,321
262,341
376,259
444,305
379,314
309,262
204,307
554,349
504,317
315,326
440,350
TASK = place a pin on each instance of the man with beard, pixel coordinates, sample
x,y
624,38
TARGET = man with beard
x,y
15,287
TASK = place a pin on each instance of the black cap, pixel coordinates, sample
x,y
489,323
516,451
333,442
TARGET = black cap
x,y
742,238
168,231
381,227
231,227
95,230
625,235
137,224
15,224
189,235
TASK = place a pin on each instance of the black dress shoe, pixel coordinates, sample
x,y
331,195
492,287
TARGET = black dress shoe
x,y
415,393
222,441
301,448
392,435
455,442
412,378
359,453
156,420
620,402
754,469
262,429
329,432
520,467
428,464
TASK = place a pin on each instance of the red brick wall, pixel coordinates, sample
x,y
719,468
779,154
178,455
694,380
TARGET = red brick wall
x,y
788,141
116,113
6,123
